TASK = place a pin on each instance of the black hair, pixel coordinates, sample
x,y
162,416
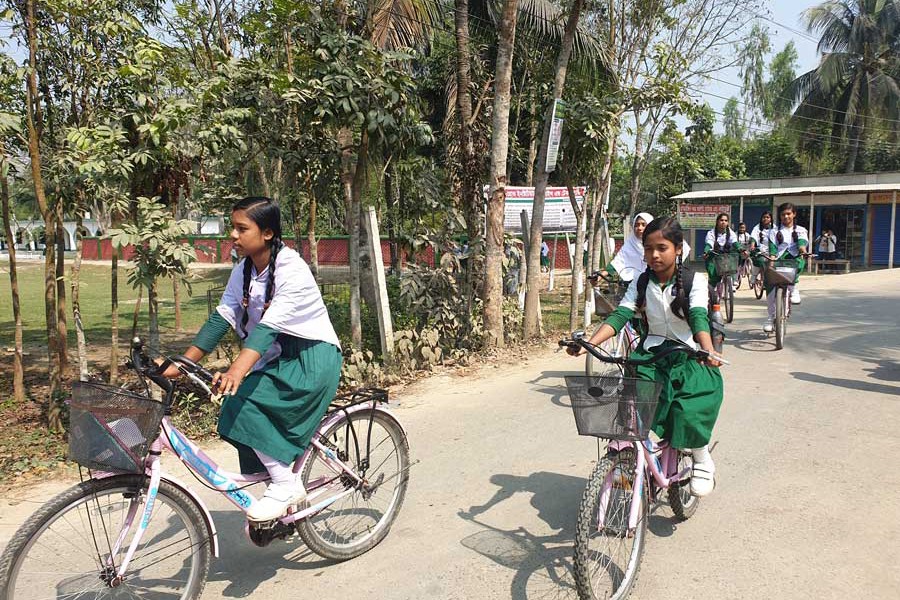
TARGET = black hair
x,y
716,246
784,207
671,230
266,214
771,223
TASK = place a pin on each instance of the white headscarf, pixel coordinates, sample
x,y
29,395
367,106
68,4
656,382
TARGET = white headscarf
x,y
631,256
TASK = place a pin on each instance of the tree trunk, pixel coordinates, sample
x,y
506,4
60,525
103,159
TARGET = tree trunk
x,y
83,372
471,196
345,141
61,310
136,313
853,150
34,154
360,185
493,275
599,209
18,371
532,323
311,229
532,142
153,313
577,267
114,318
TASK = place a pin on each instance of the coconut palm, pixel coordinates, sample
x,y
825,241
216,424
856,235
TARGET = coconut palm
x,y
855,88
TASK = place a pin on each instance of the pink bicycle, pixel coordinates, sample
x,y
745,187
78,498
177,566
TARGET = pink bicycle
x,y
132,530
632,475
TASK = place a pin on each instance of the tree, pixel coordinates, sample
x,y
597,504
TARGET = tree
x,y
782,71
493,281
752,72
856,86
732,120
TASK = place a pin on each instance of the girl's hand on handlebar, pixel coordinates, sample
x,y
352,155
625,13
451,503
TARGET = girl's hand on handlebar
x,y
171,372
710,361
226,384
575,350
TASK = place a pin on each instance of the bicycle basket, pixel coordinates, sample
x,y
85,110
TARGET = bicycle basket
x,y
782,272
110,429
615,408
726,264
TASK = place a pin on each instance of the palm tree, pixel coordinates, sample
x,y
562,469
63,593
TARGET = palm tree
x,y
855,88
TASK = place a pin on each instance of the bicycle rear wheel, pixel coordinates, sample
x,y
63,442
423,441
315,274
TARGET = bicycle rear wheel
x,y
780,317
65,549
608,557
356,523
683,503
729,299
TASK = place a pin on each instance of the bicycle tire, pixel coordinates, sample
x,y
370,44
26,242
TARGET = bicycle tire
x,y
99,507
325,532
758,287
682,502
729,300
780,320
615,581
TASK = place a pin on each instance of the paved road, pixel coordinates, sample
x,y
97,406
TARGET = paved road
x,y
806,506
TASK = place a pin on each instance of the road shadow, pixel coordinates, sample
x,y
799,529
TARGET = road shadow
x,y
245,566
852,384
553,384
884,370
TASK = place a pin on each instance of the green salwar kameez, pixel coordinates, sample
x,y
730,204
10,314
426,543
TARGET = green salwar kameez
x,y
276,408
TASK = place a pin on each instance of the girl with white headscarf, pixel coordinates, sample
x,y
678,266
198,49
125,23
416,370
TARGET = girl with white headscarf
x,y
629,262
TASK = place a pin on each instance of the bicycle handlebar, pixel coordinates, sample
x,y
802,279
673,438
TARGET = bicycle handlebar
x,y
142,363
578,341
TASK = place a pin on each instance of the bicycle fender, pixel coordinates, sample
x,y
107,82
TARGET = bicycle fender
x,y
380,408
207,516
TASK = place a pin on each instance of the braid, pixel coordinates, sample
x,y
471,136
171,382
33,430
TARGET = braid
x,y
245,300
276,245
794,235
681,304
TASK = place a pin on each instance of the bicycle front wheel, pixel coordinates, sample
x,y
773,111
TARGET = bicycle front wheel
x,y
729,299
758,286
608,551
780,317
73,545
374,445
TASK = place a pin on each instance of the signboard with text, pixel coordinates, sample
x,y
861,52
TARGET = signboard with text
x,y
556,125
558,213
700,216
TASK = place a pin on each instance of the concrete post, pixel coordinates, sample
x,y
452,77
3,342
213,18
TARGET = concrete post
x,y
812,229
382,304
893,225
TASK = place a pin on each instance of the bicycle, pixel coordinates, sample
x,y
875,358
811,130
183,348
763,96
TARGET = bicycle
x,y
744,270
756,282
131,528
604,303
781,273
613,515
726,264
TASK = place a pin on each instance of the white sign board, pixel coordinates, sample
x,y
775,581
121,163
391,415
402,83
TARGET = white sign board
x,y
558,213
556,125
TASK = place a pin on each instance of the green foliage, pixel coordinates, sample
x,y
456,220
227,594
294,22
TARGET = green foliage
x,y
771,155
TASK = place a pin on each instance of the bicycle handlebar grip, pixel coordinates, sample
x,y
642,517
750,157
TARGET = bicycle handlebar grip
x,y
194,367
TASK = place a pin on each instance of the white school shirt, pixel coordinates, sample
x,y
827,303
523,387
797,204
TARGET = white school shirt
x,y
827,243
296,309
744,239
722,238
762,244
657,305
788,245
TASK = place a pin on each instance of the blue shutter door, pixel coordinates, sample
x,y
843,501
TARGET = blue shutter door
x,y
881,234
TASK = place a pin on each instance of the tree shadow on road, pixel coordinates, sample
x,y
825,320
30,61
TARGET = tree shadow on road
x,y
553,384
245,566
863,386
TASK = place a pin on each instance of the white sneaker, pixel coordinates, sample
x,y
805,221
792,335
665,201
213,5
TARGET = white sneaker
x,y
769,327
276,501
703,478
795,296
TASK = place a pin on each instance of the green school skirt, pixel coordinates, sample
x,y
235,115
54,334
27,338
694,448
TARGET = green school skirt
x,y
276,409
690,398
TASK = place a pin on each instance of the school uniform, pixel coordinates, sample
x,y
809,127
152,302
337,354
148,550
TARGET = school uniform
x,y
726,241
279,405
787,248
692,393
760,238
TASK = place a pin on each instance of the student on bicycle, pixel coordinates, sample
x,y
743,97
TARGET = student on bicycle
x,y
279,386
720,239
788,241
759,244
692,392
745,241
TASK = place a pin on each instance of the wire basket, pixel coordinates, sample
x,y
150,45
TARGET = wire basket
x,y
614,408
782,272
110,429
726,264
607,298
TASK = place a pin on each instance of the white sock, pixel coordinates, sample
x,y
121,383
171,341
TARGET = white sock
x,y
701,455
281,473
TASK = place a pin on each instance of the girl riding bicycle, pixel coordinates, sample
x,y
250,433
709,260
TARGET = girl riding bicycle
x,y
692,392
759,244
279,386
789,241
720,239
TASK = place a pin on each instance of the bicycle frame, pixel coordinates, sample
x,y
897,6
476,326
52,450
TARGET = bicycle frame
x,y
664,473
229,483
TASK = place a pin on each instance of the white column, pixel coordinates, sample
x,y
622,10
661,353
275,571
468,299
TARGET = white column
x,y
382,304
741,211
812,229
893,223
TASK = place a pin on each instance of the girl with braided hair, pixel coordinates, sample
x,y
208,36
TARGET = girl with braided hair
x,y
759,244
692,392
278,388
720,239
787,242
